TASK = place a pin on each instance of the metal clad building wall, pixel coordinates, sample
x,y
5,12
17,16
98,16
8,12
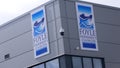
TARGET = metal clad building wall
x,y
108,31
16,39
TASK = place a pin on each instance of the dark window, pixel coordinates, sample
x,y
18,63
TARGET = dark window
x,y
97,63
52,64
77,63
87,63
39,66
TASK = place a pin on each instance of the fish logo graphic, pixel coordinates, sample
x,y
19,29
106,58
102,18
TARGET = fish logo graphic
x,y
39,27
86,21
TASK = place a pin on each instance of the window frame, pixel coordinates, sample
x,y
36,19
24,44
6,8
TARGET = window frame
x,y
70,56
102,60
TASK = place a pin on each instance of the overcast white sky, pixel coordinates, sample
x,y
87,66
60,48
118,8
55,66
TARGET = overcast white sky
x,y
9,9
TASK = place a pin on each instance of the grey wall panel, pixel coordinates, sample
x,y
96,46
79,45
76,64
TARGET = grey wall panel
x,y
110,52
18,27
73,28
71,10
57,9
22,61
112,65
74,45
52,31
27,59
108,33
107,15
63,46
50,12
16,46
62,6
66,45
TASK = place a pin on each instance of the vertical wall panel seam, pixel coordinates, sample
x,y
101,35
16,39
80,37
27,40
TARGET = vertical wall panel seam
x,y
55,26
67,27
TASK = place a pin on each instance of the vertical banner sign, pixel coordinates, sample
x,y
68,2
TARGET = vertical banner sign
x,y
39,32
86,27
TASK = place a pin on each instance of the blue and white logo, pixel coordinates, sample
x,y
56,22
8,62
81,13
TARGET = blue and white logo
x,y
85,21
39,27
85,17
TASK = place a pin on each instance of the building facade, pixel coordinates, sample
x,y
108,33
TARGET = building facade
x,y
65,51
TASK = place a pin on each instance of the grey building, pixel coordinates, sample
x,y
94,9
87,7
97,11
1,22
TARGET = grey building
x,y
16,42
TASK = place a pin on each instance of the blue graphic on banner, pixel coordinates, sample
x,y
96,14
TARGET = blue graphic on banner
x,y
85,17
37,15
40,35
39,26
89,45
84,21
86,24
41,51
